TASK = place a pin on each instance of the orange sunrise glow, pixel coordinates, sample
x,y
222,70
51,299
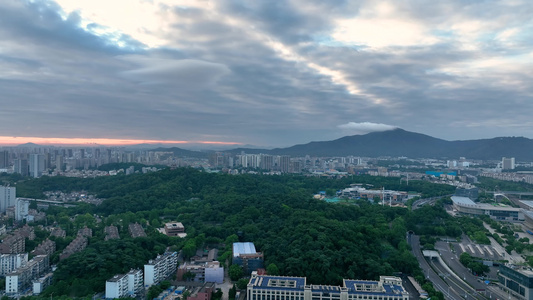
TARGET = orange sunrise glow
x,y
9,140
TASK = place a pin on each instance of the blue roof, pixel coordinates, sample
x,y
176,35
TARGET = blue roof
x,y
243,248
299,283
263,281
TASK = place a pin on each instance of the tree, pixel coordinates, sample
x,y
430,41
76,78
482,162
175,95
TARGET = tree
x,y
232,292
242,283
272,269
235,272
465,259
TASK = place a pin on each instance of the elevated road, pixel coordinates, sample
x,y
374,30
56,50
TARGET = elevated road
x,y
430,274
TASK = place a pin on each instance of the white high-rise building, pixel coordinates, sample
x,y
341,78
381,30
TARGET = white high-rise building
x,y
508,163
7,197
36,165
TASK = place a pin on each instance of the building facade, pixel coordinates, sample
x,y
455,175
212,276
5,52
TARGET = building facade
x,y
22,278
516,281
465,206
160,268
245,255
11,262
126,285
295,288
7,197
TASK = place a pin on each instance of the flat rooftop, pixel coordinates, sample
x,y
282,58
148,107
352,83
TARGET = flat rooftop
x,y
243,248
463,200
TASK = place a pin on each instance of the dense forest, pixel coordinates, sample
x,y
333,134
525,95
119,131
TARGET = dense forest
x,y
299,235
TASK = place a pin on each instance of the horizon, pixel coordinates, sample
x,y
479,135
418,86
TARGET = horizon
x,y
45,141
263,72
7,141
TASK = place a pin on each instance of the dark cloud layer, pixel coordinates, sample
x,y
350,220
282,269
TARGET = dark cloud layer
x,y
269,73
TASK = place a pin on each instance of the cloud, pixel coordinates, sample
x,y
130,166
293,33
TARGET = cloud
x,y
182,73
262,73
366,127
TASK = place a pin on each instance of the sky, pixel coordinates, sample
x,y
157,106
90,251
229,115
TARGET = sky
x,y
265,73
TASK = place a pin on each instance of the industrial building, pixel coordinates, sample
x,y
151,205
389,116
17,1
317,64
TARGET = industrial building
x,y
245,255
466,206
295,288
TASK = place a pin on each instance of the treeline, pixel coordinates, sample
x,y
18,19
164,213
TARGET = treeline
x,y
300,235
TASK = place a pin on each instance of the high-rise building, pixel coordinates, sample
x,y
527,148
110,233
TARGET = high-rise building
x,y
266,162
36,165
7,197
21,166
4,159
59,162
508,163
285,163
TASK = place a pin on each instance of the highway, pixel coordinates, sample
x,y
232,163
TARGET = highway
x,y
452,260
438,283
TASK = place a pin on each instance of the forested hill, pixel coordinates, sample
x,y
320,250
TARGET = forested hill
x,y
302,236
399,142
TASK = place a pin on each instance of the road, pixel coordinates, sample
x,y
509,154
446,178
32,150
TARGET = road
x,y
438,283
452,260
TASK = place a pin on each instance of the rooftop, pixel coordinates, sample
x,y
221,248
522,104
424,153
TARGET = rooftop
x,y
243,248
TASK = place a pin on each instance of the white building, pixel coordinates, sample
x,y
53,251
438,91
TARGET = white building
x,y
21,278
7,197
127,285
508,163
466,206
36,165
42,283
22,208
284,287
135,281
11,262
160,268
116,287
214,273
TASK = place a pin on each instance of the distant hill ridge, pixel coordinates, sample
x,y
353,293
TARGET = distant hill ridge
x,y
399,142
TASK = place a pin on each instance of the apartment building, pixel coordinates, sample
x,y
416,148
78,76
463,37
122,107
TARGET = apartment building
x,y
77,245
160,268
22,278
13,244
11,262
124,285
47,247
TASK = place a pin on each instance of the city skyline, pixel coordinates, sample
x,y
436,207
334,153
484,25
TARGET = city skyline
x,y
263,73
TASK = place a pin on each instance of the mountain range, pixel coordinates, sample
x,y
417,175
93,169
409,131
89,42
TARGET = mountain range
x,y
399,142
